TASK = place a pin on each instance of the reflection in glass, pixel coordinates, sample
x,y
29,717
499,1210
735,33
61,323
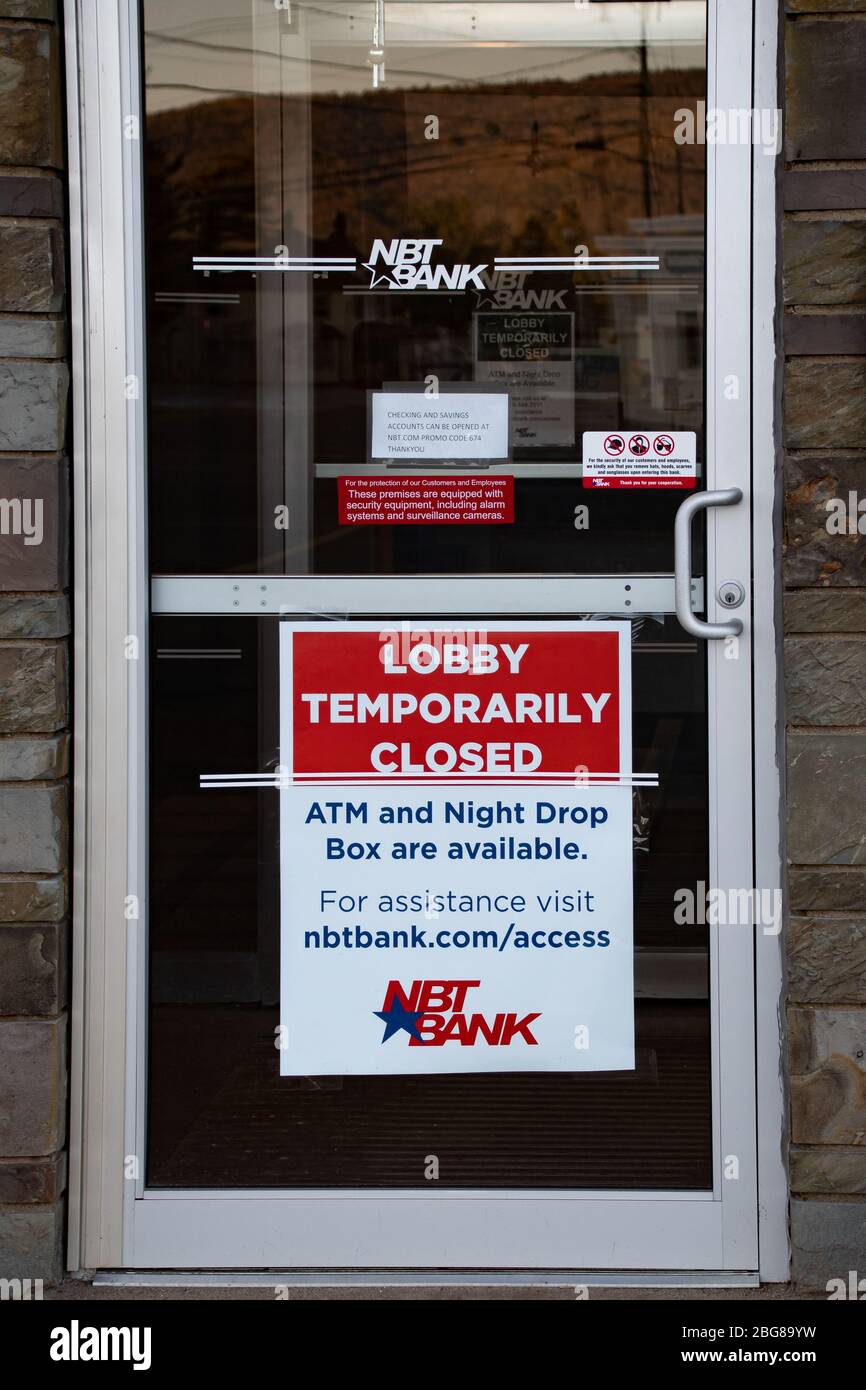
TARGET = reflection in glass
x,y
501,130
498,130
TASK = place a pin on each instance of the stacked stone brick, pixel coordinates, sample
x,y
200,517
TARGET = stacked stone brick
x,y
34,637
824,433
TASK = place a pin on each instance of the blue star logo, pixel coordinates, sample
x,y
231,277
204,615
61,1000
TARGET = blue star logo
x,y
397,1018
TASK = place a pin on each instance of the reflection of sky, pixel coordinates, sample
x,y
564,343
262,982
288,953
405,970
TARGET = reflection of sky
x,y
196,47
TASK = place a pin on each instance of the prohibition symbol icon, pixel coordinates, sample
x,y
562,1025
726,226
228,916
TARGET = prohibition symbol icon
x,y
663,444
614,444
639,444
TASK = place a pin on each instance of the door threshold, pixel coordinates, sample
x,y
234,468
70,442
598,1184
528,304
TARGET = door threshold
x,y
314,1279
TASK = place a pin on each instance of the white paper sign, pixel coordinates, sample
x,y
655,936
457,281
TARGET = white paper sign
x,y
453,425
639,459
456,849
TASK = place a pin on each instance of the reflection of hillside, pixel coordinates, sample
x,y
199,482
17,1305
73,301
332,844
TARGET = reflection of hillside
x,y
531,167
199,170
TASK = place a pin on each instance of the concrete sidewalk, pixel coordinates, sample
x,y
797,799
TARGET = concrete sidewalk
x,y
82,1290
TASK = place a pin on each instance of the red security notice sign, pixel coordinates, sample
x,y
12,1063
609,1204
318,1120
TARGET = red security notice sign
x,y
531,701
408,501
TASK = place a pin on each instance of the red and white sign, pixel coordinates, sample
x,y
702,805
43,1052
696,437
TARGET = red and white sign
x,y
455,848
639,459
531,700
404,501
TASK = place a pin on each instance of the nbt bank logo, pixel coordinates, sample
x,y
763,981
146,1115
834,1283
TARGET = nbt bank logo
x,y
406,264
433,1012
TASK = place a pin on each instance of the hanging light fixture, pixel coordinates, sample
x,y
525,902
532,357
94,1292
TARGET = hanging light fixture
x,y
376,56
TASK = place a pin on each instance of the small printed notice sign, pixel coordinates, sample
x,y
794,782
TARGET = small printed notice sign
x,y
455,848
639,459
414,501
532,355
414,426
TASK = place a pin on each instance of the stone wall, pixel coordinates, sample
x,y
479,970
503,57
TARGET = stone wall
x,y
34,630
824,433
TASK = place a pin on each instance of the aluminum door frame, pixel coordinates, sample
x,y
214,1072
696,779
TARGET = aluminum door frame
x,y
113,1222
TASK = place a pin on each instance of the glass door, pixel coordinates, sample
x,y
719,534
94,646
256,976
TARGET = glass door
x,y
444,305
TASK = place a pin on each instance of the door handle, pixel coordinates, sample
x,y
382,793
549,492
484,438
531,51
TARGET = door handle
x,y
686,513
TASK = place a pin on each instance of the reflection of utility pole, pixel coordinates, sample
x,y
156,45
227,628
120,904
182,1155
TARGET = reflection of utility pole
x,y
644,123
598,133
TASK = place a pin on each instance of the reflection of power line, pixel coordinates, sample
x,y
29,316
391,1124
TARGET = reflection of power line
x,y
564,62
578,55
306,61
431,157
194,87
508,126
587,180
398,163
485,92
512,131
